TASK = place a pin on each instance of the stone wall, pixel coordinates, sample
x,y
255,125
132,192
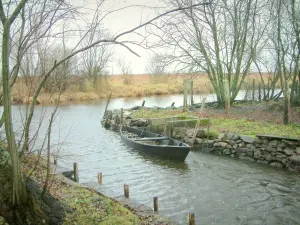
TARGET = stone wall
x,y
159,125
276,151
282,152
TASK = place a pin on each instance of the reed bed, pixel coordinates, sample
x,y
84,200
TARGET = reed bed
x,y
81,89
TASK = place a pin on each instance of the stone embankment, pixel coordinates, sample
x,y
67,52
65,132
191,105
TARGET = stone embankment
x,y
112,119
281,152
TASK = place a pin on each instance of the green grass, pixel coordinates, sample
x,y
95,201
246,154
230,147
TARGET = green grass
x,y
253,128
89,207
2,222
85,206
159,113
240,126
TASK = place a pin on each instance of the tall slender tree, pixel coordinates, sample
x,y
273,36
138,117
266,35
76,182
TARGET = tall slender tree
x,y
220,39
24,23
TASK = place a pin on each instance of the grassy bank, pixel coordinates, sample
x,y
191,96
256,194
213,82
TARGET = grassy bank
x,y
84,206
81,89
2,222
222,124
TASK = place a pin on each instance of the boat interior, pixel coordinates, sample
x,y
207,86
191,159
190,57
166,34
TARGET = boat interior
x,y
150,138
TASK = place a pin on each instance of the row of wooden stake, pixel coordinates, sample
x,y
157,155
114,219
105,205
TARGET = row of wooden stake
x,y
190,216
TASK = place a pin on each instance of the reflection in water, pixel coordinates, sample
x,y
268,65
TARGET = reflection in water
x,y
166,163
219,190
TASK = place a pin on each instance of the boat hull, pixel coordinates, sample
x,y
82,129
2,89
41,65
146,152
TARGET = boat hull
x,y
168,147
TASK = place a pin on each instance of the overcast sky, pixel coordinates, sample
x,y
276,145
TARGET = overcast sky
x,y
124,20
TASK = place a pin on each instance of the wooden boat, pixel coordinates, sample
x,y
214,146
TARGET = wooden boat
x,y
154,144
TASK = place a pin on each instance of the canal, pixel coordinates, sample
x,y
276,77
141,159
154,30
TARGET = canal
x,y
219,190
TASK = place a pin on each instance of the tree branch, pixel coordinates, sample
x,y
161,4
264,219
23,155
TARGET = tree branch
x,y
161,15
2,14
16,12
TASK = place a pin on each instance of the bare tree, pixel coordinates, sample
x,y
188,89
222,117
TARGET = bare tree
x,y
281,53
25,23
95,60
284,48
294,16
156,65
61,76
219,39
126,71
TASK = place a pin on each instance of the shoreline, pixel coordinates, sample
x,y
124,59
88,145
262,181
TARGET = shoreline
x,y
142,211
68,99
279,148
81,89
70,202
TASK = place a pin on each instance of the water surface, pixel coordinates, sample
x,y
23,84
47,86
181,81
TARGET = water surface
x,y
219,190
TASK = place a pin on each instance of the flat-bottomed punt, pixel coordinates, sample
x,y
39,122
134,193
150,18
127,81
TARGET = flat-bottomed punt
x,y
154,144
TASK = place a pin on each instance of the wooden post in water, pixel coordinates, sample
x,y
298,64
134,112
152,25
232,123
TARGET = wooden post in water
x,y
143,104
55,160
107,104
76,176
126,190
99,178
191,218
155,204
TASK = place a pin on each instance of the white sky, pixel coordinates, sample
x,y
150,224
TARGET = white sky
x,y
126,19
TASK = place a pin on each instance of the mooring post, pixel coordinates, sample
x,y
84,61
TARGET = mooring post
x,y
107,105
76,177
99,178
55,160
191,218
155,203
143,104
126,190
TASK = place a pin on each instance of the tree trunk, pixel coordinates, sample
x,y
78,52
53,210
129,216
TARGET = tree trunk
x,y
19,195
287,107
36,211
227,97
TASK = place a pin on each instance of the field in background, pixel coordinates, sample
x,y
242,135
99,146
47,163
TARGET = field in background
x,y
80,88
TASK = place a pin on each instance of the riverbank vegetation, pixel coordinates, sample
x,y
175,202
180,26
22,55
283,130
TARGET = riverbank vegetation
x,y
44,45
35,50
258,120
81,205
80,88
